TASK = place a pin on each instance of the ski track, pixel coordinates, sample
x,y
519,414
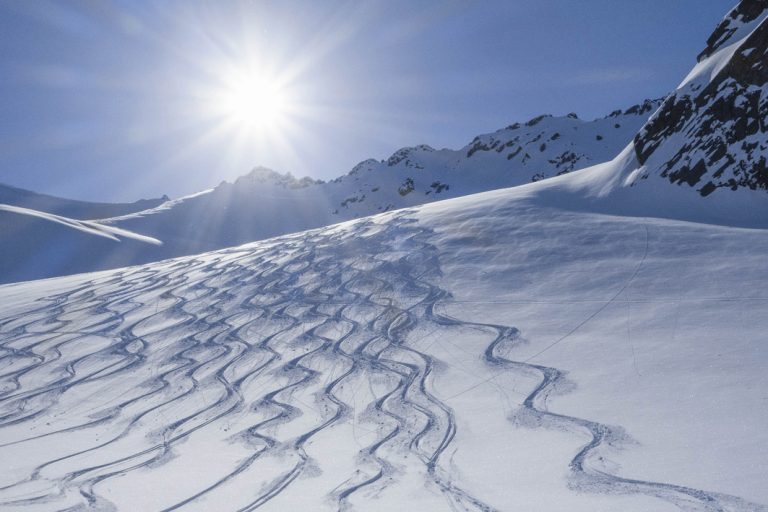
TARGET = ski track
x,y
256,326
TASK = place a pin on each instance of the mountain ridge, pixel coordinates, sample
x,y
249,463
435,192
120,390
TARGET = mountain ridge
x,y
72,208
675,158
719,110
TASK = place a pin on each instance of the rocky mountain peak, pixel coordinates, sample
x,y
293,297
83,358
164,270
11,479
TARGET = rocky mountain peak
x,y
711,133
264,175
644,107
736,21
403,153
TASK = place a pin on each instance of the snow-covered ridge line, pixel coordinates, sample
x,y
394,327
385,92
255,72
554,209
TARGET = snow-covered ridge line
x,y
711,134
710,64
86,226
72,208
166,205
542,147
264,203
743,18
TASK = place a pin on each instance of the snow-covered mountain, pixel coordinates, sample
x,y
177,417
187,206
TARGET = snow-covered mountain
x,y
490,352
702,155
712,132
528,348
265,203
540,148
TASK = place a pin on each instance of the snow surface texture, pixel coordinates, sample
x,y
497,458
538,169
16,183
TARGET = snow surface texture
x,y
264,203
442,358
532,348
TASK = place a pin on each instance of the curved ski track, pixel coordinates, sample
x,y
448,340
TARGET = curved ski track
x,y
138,362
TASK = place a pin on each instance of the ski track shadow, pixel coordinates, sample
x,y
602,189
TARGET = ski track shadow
x,y
224,344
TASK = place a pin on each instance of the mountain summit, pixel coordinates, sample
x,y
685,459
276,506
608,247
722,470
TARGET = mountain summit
x,y
711,133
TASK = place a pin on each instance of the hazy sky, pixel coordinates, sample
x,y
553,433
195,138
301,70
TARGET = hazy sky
x,y
120,100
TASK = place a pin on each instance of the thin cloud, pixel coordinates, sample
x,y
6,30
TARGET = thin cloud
x,y
609,76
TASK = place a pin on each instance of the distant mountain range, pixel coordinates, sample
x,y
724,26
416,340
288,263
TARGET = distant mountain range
x,y
265,203
703,148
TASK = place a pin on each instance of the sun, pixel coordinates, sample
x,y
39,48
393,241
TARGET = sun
x,y
251,109
254,102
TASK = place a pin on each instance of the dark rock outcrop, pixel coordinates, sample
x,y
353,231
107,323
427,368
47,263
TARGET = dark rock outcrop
x,y
714,134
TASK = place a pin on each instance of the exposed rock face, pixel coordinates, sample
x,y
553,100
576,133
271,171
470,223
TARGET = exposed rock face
x,y
712,132
540,148
404,154
744,13
521,142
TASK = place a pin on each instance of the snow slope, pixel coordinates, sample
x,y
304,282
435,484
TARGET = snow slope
x,y
41,233
85,226
590,342
264,203
34,243
483,353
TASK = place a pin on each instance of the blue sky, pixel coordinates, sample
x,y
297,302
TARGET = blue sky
x,y
113,100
